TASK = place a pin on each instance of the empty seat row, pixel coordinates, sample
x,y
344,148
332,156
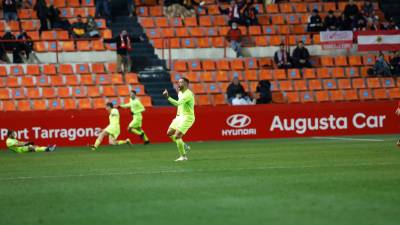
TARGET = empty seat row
x,y
68,80
66,103
53,69
73,46
66,92
27,14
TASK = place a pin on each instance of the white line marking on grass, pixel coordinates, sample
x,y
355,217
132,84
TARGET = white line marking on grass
x,y
192,171
348,139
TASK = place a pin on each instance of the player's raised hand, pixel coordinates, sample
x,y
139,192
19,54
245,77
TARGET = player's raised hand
x,y
398,111
165,93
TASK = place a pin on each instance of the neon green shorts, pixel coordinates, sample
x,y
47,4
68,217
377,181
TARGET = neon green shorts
x,y
182,123
22,149
137,121
113,131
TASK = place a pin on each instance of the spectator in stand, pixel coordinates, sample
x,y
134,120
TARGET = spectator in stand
x,y
282,58
9,45
78,29
233,12
26,48
10,10
131,7
168,8
42,12
360,23
56,22
234,36
390,25
395,64
124,46
381,67
314,22
26,4
239,99
263,91
92,30
331,22
233,89
301,56
368,8
351,10
189,7
250,14
102,9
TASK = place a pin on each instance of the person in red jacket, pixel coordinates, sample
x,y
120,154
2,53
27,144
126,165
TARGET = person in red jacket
x,y
234,36
398,113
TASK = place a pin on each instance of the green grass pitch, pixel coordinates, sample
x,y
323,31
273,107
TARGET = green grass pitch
x,y
279,181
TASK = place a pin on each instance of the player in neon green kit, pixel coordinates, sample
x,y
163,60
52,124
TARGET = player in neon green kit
x,y
22,147
112,130
184,117
135,126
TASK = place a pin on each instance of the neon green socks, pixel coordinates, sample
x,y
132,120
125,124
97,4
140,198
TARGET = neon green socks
x,y
97,143
40,149
121,142
181,146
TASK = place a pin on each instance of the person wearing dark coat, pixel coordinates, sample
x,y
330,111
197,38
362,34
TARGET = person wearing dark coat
x,y
25,48
301,56
233,12
124,45
395,64
351,10
282,58
314,22
331,22
234,88
10,10
42,12
264,92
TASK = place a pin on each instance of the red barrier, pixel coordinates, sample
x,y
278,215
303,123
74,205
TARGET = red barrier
x,y
79,127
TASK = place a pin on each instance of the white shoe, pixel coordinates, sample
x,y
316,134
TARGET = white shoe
x,y
187,148
182,158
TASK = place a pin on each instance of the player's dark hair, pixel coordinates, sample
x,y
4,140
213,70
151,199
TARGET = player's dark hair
x,y
186,80
133,91
110,104
9,133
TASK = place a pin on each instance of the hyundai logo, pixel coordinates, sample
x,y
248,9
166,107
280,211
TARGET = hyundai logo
x,y
238,120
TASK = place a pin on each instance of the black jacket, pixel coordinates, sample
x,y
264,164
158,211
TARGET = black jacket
x,y
232,90
300,54
10,7
331,22
117,40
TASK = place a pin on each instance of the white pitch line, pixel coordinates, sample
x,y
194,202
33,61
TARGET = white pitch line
x,y
348,139
132,173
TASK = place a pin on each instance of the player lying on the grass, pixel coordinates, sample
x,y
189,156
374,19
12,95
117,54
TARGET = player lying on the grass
x,y
22,147
184,117
112,130
398,113
135,126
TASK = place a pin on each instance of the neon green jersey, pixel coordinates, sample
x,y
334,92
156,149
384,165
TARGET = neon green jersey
x,y
135,105
114,118
185,103
12,144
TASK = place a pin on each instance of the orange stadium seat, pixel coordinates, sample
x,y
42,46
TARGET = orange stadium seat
x,y
292,97
308,73
355,60
261,40
198,88
161,22
323,73
394,93
380,93
358,83
223,64
263,19
206,21
28,81
8,106
112,67
24,105
280,74
221,76
194,65
337,95
250,75
315,84
99,103
237,64
82,68
329,84
176,22
300,85
116,79
48,92
341,60
322,96
218,99
33,93
72,80
57,80
93,91
83,45
213,88
156,11
69,103
272,8
327,61
98,68
84,103
103,79
365,94
352,72
87,79
65,69
131,78
307,97
190,22
338,72
368,59
192,77
43,81
109,91
68,46
16,70
300,7
266,74
218,42
146,101
18,93
387,82
12,82
203,100
39,104
286,85
49,69
277,19
293,74
373,82
269,30
4,94
208,65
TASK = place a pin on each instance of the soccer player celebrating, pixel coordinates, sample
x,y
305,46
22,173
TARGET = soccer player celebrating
x,y
112,130
184,118
22,147
135,126
398,113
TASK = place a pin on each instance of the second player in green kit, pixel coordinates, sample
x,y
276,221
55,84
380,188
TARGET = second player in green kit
x,y
135,126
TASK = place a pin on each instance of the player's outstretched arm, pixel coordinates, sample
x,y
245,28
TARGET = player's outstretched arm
x,y
171,100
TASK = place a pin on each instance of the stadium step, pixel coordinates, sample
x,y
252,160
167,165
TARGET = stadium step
x,y
155,82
